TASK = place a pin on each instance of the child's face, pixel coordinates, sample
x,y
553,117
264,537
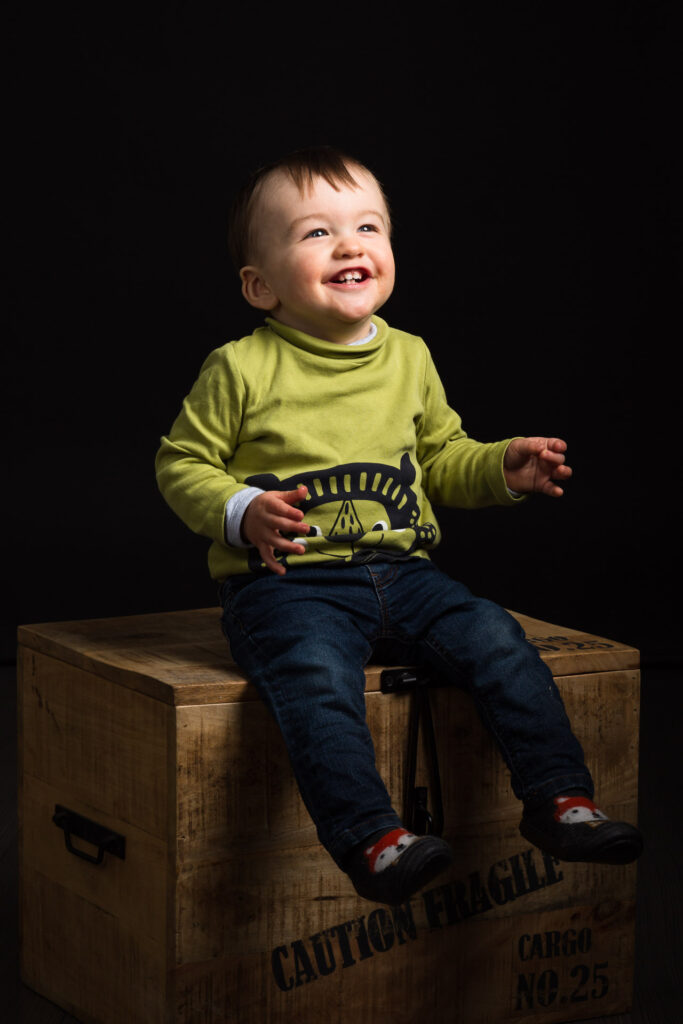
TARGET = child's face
x,y
323,261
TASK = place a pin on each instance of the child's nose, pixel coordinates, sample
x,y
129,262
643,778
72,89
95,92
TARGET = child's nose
x,y
350,245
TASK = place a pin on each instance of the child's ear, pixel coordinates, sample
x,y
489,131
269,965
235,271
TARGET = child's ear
x,y
256,289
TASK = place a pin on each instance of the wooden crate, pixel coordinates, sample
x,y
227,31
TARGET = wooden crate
x,y
226,909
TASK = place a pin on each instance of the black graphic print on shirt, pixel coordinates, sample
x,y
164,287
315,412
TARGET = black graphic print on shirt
x,y
355,508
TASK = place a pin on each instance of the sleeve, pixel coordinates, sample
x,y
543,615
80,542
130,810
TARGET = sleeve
x,y
235,508
191,464
457,470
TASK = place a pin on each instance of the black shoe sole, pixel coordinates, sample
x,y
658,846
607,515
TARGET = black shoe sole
x,y
421,862
613,842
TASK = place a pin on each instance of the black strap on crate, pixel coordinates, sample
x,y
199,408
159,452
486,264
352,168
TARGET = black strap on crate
x,y
417,816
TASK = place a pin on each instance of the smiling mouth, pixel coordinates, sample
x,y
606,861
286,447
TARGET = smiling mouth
x,y
352,277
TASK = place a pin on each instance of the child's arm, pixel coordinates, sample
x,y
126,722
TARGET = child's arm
x,y
191,464
270,515
461,472
536,464
457,470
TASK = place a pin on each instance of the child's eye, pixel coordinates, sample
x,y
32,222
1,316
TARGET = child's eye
x,y
368,227
316,233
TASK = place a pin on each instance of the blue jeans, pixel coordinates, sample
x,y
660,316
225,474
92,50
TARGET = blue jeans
x,y
304,639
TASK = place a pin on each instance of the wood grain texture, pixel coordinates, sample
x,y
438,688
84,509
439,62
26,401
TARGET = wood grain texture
x,y
101,750
226,908
181,657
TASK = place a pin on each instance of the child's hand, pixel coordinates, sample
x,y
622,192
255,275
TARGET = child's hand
x,y
270,515
535,464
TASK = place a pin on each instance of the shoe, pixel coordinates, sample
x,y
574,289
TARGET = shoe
x,y
390,867
570,827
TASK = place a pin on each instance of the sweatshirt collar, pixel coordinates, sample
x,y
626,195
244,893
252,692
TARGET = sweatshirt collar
x,y
329,348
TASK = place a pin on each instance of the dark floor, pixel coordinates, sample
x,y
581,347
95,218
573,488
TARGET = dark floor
x,y
658,995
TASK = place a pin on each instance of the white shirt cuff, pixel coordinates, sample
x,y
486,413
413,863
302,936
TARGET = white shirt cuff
x,y
235,508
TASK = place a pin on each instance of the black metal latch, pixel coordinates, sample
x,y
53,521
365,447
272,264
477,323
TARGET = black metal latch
x,y
103,838
416,814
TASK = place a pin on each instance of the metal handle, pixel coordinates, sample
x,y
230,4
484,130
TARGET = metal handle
x,y
100,836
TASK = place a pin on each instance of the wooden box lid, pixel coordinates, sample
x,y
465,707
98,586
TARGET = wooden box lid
x,y
182,658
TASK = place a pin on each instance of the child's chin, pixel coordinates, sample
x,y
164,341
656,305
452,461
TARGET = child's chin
x,y
354,313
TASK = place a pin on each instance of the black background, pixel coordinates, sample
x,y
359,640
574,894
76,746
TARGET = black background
x,y
529,153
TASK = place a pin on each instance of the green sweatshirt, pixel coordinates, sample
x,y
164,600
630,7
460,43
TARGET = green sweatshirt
x,y
367,429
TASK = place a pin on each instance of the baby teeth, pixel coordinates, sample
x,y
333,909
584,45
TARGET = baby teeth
x,y
353,275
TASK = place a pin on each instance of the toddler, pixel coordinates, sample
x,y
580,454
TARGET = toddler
x,y
312,453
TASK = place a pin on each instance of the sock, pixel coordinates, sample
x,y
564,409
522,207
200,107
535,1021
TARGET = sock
x,y
382,849
575,807
591,837
388,867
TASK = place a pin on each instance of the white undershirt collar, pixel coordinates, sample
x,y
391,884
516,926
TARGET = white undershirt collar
x,y
368,337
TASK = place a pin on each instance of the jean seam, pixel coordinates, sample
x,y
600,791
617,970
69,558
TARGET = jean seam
x,y
378,587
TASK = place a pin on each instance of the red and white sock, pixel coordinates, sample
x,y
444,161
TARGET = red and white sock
x,y
387,849
574,810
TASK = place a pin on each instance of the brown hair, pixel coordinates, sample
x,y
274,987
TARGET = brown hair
x,y
303,166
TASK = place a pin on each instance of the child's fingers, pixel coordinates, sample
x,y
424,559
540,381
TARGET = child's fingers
x,y
287,525
267,552
268,556
287,513
551,444
291,545
551,486
545,447
292,497
275,506
275,516
557,458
